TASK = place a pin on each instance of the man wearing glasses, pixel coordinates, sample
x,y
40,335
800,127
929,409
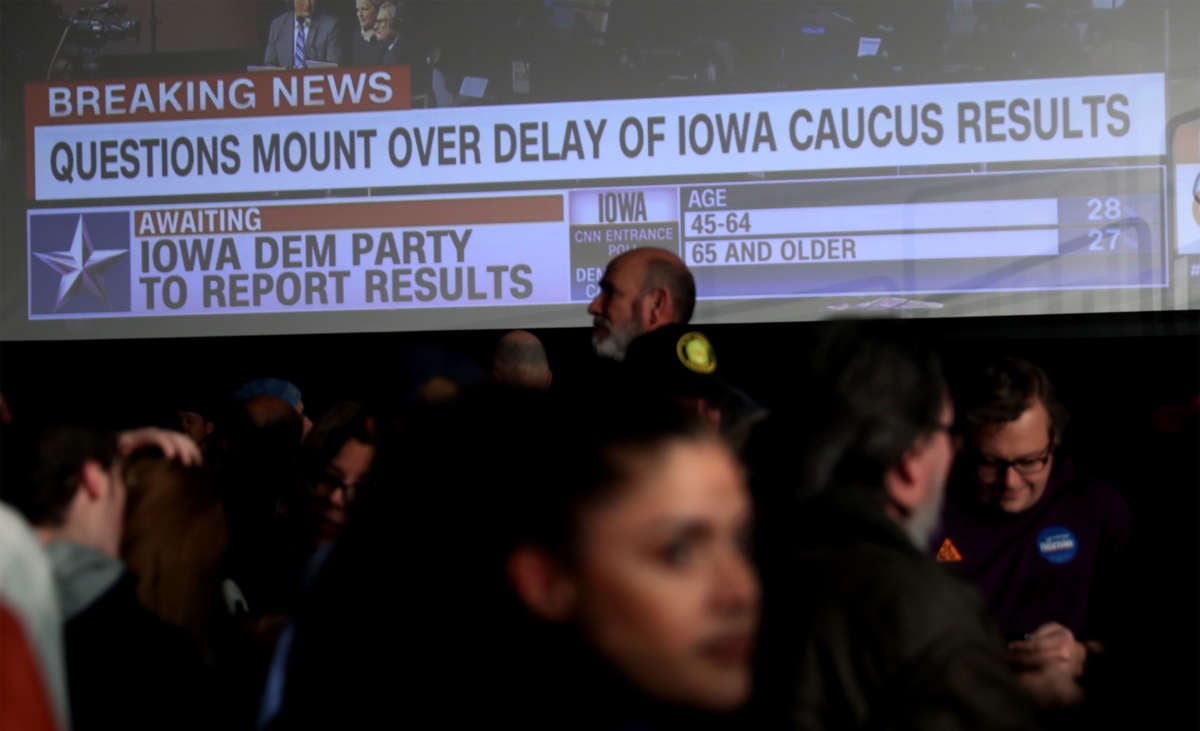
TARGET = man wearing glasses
x,y
1046,546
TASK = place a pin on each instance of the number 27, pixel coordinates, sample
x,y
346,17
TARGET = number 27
x,y
1098,236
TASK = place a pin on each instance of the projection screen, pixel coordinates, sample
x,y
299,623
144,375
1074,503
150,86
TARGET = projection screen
x,y
804,159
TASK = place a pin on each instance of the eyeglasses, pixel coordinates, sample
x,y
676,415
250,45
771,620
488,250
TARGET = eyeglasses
x,y
990,469
326,484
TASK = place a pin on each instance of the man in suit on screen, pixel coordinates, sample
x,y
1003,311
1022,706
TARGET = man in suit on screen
x,y
301,35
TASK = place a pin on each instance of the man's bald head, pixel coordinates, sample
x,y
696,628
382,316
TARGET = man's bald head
x,y
664,269
642,290
520,360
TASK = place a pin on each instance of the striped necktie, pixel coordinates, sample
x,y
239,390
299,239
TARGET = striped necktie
x,y
298,52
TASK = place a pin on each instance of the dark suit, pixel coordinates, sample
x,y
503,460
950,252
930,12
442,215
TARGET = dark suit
x,y
365,53
322,42
400,51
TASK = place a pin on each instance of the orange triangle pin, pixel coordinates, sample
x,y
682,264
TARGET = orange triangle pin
x,y
948,553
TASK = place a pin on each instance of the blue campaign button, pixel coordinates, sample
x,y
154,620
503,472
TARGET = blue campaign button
x,y
1057,544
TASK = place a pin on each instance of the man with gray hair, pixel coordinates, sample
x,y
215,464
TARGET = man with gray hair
x,y
364,49
646,290
862,629
399,47
642,290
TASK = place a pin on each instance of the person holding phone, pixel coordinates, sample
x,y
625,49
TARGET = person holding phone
x,y
1047,546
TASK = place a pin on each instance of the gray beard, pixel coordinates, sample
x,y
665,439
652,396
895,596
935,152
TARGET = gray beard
x,y
924,521
615,345
609,348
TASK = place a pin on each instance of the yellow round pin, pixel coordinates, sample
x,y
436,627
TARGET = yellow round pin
x,y
696,353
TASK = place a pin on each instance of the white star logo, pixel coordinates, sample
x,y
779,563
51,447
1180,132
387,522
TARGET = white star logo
x,y
80,264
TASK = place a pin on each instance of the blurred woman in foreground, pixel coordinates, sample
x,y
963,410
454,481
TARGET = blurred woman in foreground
x,y
521,558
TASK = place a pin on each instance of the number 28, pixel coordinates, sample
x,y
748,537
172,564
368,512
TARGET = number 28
x,y
1104,209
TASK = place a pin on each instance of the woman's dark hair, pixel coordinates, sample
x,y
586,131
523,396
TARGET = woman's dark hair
x,y
174,542
588,463
514,466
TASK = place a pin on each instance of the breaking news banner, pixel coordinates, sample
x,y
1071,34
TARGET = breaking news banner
x,y
263,258
348,129
159,114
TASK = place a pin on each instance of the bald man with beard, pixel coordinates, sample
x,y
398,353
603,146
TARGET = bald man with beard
x,y
647,289
641,291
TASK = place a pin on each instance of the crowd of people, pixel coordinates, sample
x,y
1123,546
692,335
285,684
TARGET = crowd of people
x,y
639,544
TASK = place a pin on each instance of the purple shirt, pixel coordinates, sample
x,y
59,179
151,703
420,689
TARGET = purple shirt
x,y
1062,560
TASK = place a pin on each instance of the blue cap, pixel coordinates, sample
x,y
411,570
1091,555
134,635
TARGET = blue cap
x,y
276,387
